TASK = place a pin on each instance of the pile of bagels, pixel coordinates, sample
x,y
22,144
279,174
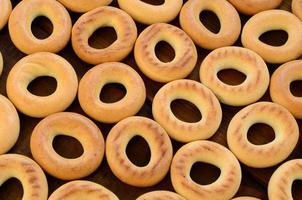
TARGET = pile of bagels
x,y
207,95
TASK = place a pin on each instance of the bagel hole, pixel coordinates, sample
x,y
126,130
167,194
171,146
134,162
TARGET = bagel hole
x,y
154,2
112,92
204,173
274,37
296,88
185,111
296,189
42,86
67,147
231,76
164,51
260,134
11,189
138,151
102,38
41,27
210,20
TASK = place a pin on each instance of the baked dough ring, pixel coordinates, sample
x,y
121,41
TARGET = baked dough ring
x,y
24,14
201,97
273,20
150,14
242,60
280,87
82,190
246,198
203,37
146,59
225,187
36,65
84,5
261,156
297,8
159,144
96,78
160,195
280,183
105,16
251,7
10,125
28,172
6,9
73,125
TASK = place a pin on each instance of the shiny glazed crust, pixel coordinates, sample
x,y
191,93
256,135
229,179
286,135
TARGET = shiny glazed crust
x,y
159,144
10,125
225,187
201,97
82,190
6,9
251,7
160,195
261,156
72,125
29,173
280,183
84,5
37,65
146,59
150,14
22,17
96,78
242,60
280,87
228,17
273,20
89,22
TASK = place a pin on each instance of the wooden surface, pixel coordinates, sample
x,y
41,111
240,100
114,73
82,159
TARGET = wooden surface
x,y
254,181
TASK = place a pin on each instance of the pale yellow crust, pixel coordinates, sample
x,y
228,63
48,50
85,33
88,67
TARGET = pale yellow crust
x,y
104,16
225,187
22,17
36,65
273,20
280,183
87,190
297,8
150,14
10,125
228,17
146,59
82,6
6,9
201,97
158,142
160,195
72,125
242,60
261,156
246,198
251,7
280,87
96,78
28,172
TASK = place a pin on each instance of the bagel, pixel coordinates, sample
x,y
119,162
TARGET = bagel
x,y
20,21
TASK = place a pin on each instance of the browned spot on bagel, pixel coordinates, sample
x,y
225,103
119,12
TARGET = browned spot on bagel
x,y
32,179
35,195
